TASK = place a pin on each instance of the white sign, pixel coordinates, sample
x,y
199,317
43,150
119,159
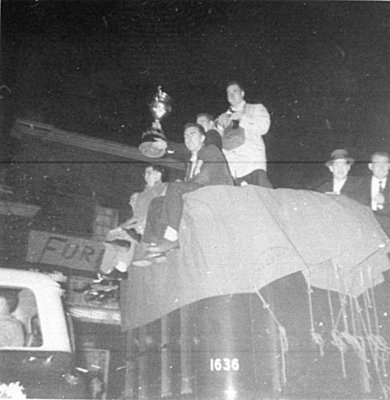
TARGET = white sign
x,y
64,251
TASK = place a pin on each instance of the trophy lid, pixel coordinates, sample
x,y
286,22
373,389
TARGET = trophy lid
x,y
161,104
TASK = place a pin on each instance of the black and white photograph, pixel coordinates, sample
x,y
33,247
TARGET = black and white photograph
x,y
194,199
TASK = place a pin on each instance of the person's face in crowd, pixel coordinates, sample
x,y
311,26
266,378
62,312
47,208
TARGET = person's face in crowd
x,y
379,166
152,177
193,139
235,95
4,306
340,168
205,123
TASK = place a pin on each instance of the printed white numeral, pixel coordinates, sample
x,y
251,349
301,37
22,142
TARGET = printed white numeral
x,y
224,364
235,364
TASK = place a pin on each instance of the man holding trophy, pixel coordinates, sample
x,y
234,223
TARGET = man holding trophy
x,y
242,127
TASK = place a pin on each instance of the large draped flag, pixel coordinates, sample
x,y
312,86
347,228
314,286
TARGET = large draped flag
x,y
239,239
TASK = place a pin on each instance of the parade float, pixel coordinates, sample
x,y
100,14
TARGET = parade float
x,y
272,292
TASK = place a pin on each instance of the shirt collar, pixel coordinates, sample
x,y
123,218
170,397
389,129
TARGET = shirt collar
x,y
375,179
339,181
239,106
155,186
194,157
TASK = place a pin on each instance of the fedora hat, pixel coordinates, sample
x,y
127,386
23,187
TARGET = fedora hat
x,y
339,154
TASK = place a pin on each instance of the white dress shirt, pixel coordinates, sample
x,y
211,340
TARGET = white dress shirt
x,y
376,184
193,161
338,185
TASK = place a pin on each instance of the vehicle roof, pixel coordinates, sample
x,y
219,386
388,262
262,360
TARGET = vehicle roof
x,y
25,278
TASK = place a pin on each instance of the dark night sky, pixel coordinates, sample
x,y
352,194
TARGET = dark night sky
x,y
321,68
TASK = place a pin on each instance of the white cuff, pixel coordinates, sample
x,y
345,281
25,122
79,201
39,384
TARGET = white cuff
x,y
121,266
170,234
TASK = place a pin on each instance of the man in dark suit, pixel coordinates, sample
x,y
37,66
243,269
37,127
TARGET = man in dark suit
x,y
375,189
207,166
341,183
212,135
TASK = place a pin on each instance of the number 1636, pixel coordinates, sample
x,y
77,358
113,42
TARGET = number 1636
x,y
224,364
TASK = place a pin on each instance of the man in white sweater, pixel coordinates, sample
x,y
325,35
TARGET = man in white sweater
x,y
247,157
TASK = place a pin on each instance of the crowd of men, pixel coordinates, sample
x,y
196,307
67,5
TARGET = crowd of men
x,y
372,190
230,151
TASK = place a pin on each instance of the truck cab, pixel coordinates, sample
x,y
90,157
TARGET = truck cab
x,y
43,366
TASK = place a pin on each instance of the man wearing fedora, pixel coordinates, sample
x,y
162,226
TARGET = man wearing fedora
x,y
374,190
341,183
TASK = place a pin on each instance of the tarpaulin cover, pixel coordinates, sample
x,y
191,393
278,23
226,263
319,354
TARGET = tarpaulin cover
x,y
239,239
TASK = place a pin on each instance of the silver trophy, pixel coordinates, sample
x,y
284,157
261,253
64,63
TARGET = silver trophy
x,y
154,142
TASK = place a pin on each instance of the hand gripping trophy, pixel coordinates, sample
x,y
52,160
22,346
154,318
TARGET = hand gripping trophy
x,y
153,141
